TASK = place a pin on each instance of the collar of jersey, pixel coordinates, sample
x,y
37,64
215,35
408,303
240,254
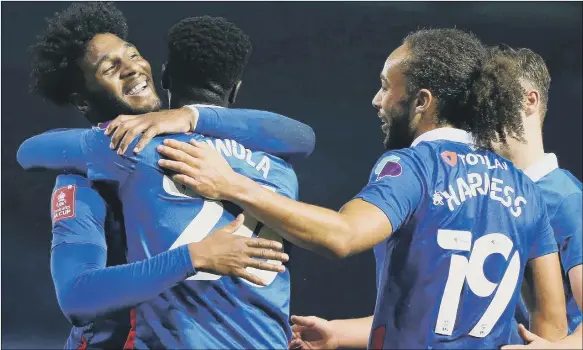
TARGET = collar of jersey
x,y
446,133
204,105
541,168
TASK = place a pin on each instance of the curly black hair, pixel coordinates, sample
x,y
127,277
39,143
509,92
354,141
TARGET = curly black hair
x,y
475,90
532,69
55,73
207,51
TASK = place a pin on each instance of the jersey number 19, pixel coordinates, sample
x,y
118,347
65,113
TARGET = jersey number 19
x,y
461,269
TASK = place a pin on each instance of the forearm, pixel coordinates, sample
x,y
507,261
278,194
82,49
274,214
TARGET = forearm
x,y
550,327
90,291
314,228
352,333
265,131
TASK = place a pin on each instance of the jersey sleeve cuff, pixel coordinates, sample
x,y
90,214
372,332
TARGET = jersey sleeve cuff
x,y
571,262
207,119
184,261
545,250
384,207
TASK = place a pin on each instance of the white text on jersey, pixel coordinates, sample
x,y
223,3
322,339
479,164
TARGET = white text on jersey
x,y
484,185
230,148
473,159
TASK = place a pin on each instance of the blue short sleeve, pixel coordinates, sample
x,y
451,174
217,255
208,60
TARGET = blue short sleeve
x,y
544,242
567,226
396,186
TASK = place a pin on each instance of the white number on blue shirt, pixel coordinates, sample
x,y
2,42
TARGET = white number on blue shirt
x,y
206,219
472,271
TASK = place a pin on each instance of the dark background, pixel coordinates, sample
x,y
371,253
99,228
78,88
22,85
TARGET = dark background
x,y
316,62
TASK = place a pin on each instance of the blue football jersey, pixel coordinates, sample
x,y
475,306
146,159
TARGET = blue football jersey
x,y
80,216
465,222
563,196
205,311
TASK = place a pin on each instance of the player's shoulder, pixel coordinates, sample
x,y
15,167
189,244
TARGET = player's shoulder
x,y
561,181
71,179
560,189
260,166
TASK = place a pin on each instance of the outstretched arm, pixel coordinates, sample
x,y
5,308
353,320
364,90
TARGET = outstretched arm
x,y
81,151
86,288
57,150
381,207
264,131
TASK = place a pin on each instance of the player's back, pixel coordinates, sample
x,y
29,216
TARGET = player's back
x,y
562,194
452,270
206,311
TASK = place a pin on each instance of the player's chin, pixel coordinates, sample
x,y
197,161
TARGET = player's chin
x,y
140,105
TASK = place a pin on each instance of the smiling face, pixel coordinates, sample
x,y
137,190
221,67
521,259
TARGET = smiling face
x,y
118,80
393,103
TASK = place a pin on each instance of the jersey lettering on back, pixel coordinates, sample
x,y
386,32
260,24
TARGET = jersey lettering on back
x,y
465,224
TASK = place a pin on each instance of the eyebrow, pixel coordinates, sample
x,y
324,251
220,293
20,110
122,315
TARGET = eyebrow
x,y
383,78
107,57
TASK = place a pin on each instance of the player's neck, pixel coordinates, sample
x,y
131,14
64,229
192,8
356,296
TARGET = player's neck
x,y
524,154
198,97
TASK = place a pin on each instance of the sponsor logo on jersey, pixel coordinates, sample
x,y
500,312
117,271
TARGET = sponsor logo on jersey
x,y
449,157
389,166
63,203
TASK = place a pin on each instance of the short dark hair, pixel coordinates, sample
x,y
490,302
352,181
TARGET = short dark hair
x,y
532,68
55,73
207,50
475,91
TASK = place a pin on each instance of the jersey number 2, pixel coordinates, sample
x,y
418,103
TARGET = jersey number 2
x,y
472,271
202,224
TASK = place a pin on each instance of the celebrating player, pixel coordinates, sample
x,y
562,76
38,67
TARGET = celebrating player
x,y
87,229
207,311
453,225
560,189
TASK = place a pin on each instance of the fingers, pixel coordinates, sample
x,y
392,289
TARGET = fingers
x,y
177,154
305,321
132,131
178,167
295,344
186,180
526,335
198,144
264,265
146,138
264,243
297,330
234,225
120,131
244,274
116,122
267,254
193,150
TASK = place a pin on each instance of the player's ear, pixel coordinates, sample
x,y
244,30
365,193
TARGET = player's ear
x,y
79,102
166,81
532,102
234,92
423,101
